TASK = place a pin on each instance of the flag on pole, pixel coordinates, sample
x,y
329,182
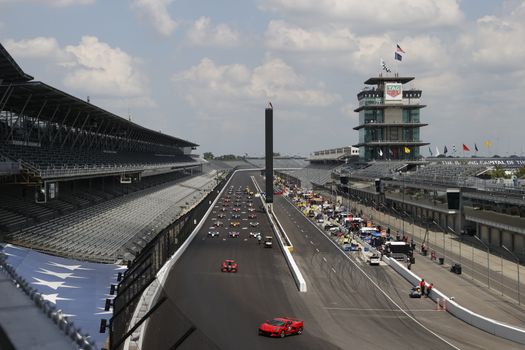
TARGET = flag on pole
x,y
384,67
429,150
445,150
488,143
390,151
465,148
380,152
476,147
453,148
407,150
397,56
437,151
399,49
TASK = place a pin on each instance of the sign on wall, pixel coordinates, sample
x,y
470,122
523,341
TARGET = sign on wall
x,y
393,92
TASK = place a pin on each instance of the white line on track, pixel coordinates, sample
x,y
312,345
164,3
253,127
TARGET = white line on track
x,y
317,250
333,270
376,285
375,310
324,259
312,243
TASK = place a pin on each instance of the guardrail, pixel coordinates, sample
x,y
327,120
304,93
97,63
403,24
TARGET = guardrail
x,y
286,249
486,324
62,322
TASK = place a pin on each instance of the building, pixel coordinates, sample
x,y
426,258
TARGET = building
x,y
340,154
389,120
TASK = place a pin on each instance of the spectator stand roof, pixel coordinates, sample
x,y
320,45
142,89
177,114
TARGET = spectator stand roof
x,y
11,71
35,98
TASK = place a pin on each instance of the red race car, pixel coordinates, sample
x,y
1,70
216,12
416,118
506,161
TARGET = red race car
x,y
281,327
229,265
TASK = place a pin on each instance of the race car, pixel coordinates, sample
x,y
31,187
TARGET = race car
x,y
219,223
221,216
236,216
255,234
254,223
234,234
235,223
252,216
251,210
281,327
213,234
236,209
229,265
268,242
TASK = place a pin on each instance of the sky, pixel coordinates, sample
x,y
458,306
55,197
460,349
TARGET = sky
x,y
204,70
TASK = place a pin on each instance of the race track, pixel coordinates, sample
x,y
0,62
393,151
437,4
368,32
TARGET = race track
x,y
209,309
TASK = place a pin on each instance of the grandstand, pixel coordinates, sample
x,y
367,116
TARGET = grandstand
x,y
312,175
116,229
279,162
80,182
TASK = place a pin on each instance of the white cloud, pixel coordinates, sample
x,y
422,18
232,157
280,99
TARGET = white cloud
x,y
377,14
39,47
284,36
103,69
210,86
91,67
496,42
156,12
202,33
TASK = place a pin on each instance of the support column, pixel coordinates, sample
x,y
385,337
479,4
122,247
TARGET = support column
x,y
268,123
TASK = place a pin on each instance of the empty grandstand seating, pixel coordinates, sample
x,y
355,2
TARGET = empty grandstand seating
x,y
114,229
314,174
19,208
446,173
56,161
278,162
377,170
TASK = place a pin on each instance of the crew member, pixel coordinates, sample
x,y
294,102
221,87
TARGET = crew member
x,y
422,286
429,289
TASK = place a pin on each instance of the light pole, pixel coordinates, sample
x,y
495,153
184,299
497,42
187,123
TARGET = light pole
x,y
413,222
444,232
518,266
403,180
460,241
488,259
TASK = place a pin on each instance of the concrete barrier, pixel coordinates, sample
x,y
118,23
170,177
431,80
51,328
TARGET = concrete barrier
x,y
276,226
296,273
486,324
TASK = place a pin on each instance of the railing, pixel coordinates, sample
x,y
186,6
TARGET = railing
x,y
142,271
109,169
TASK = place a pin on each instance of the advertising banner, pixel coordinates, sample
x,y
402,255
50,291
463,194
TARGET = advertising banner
x,y
393,92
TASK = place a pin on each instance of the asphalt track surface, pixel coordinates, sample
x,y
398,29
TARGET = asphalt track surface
x,y
342,309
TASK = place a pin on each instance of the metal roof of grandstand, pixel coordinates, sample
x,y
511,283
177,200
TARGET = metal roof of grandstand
x,y
10,71
44,101
381,79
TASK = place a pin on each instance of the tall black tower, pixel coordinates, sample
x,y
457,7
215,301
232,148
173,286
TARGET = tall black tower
x,y
268,126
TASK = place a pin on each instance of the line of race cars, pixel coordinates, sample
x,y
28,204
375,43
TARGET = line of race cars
x,y
231,209
277,327
235,199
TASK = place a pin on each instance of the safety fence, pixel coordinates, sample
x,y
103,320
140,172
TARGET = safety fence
x,y
143,270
